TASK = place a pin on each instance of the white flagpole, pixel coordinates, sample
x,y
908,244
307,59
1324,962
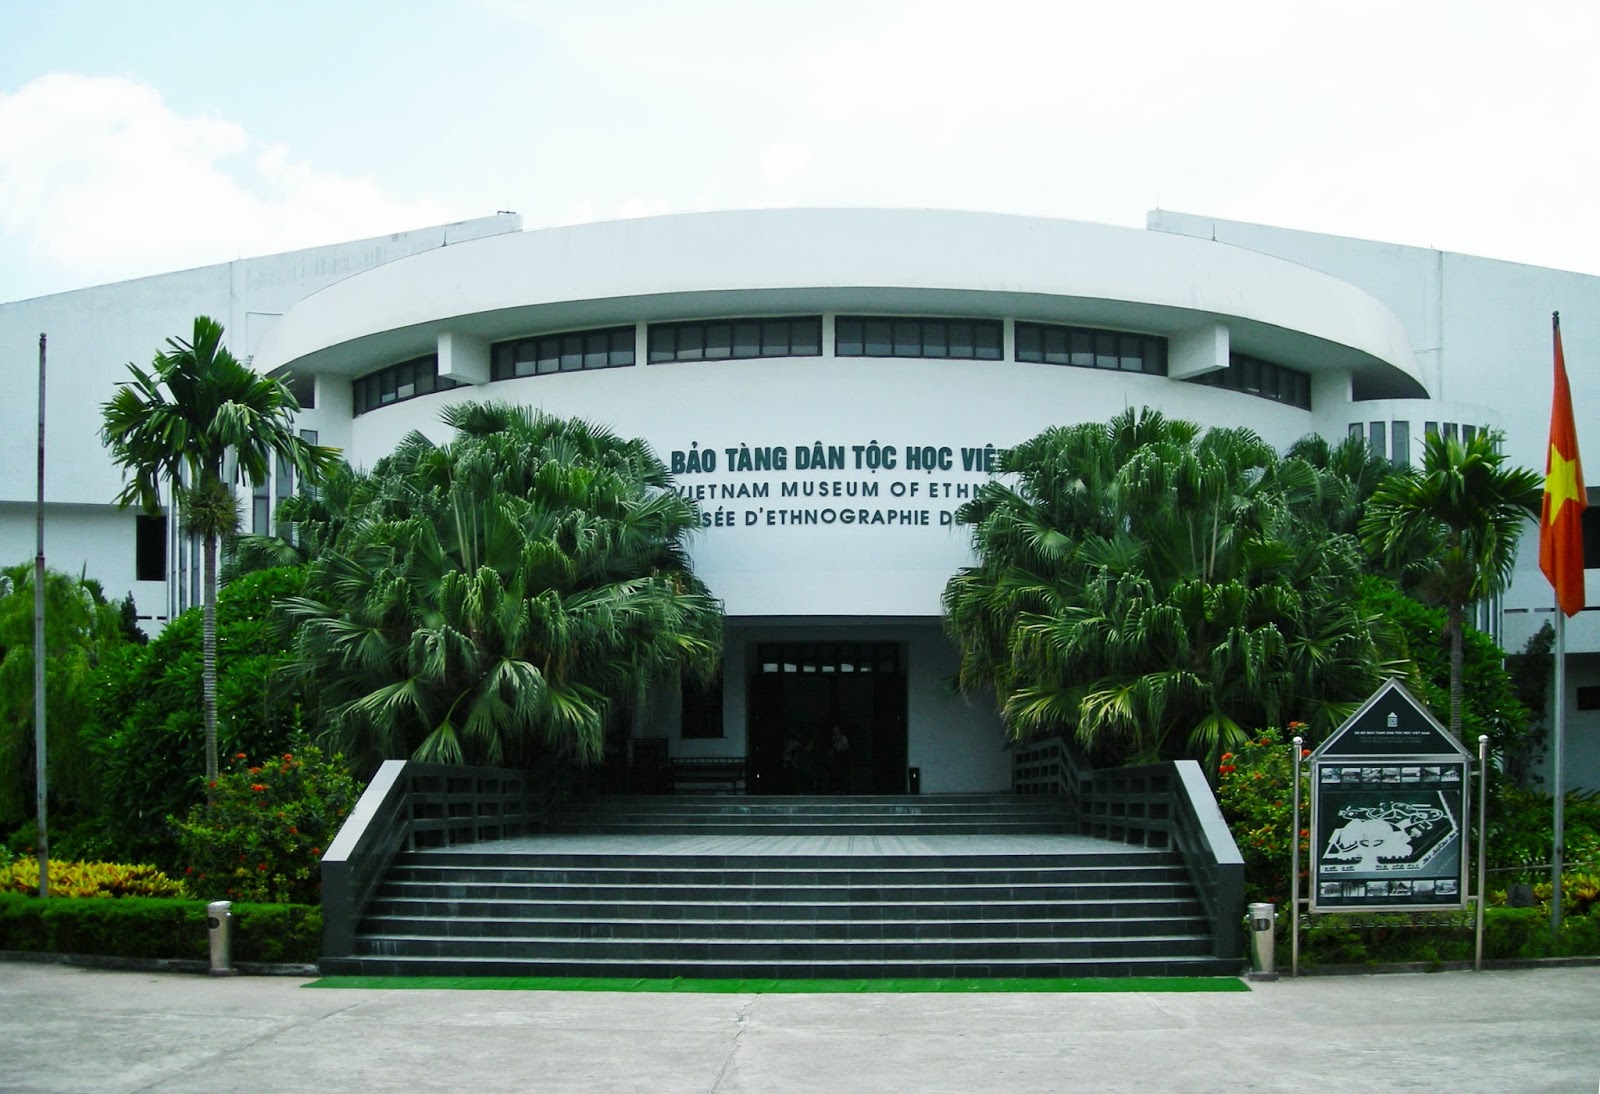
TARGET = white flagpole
x,y
1559,789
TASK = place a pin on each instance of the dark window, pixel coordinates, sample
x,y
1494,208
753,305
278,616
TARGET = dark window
x,y
398,383
726,340
150,548
1266,380
702,708
573,351
882,336
1400,444
1591,532
1048,344
1589,697
304,390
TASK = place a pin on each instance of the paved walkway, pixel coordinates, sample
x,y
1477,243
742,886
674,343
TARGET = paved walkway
x,y
71,1029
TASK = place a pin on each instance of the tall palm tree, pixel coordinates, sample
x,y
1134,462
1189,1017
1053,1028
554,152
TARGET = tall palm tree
x,y
1155,590
503,595
1452,528
180,424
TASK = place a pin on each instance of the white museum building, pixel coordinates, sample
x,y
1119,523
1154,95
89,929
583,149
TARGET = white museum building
x,y
828,385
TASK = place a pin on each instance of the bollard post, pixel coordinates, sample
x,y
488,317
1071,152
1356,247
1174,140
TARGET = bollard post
x,y
219,924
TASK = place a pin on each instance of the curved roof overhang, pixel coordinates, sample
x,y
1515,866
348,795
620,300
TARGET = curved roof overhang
x,y
873,260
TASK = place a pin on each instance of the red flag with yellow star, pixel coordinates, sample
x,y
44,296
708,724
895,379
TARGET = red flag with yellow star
x,y
1561,525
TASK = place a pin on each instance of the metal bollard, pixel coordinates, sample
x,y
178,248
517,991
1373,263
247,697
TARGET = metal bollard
x,y
1262,919
219,924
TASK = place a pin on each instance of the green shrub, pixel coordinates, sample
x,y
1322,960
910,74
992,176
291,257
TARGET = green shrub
x,y
89,879
1398,938
1256,796
148,736
262,835
150,927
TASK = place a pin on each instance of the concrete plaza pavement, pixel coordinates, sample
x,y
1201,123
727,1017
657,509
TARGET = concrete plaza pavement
x,y
65,1028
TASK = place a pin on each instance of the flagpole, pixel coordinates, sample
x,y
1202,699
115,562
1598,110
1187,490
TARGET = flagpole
x,y
1558,731
1557,842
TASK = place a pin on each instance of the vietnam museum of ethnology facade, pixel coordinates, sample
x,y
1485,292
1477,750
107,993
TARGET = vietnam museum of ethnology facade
x,y
828,386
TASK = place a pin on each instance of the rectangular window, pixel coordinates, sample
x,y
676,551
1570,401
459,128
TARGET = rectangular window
x,y
907,338
1358,430
719,341
774,338
1589,697
304,390
596,350
847,338
310,437
1105,350
1400,444
408,379
261,508
149,548
723,340
1265,380
702,709
885,336
1378,438
879,339
747,340
805,337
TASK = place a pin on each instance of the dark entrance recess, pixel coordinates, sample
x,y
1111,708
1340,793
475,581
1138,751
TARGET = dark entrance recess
x,y
800,690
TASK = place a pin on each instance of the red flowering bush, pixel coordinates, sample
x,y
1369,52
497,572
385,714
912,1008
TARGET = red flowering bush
x,y
1257,799
261,836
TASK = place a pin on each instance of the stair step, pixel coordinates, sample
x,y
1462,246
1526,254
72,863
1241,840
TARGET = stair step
x,y
1123,966
607,928
633,897
712,948
582,910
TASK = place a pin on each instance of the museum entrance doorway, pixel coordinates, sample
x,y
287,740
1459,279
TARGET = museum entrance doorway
x,y
800,693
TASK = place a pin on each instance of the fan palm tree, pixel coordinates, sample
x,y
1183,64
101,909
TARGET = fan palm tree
x,y
1156,591
179,424
501,594
1452,527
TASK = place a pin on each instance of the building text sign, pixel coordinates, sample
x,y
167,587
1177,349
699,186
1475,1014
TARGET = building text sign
x,y
1389,811
856,484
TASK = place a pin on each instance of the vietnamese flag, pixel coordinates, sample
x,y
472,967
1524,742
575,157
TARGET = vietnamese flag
x,y
1561,524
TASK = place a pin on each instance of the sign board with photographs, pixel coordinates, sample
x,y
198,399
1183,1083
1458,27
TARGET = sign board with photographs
x,y
1389,811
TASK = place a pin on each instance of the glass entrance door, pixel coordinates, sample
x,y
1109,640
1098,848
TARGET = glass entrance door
x,y
828,718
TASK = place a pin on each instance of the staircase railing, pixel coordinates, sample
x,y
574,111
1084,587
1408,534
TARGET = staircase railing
x,y
412,806
1166,805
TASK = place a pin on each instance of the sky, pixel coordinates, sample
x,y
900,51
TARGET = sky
x,y
139,138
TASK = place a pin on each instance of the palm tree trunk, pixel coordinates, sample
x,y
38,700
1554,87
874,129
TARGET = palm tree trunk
x,y
208,669
1457,668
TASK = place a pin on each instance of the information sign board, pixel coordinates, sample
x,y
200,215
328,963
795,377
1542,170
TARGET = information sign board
x,y
1389,811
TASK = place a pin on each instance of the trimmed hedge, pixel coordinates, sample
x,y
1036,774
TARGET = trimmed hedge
x,y
1392,938
157,928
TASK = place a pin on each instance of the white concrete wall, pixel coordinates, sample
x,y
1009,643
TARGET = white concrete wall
x,y
764,568
94,333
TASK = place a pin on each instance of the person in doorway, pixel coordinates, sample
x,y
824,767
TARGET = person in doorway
x,y
839,750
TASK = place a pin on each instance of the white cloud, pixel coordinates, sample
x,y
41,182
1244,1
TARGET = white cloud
x,y
100,180
783,161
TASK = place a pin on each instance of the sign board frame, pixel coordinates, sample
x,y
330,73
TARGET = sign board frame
x,y
1390,811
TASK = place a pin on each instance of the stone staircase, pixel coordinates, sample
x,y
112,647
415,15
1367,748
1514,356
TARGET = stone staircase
x,y
932,886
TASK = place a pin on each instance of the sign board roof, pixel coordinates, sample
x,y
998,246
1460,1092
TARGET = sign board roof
x,y
1391,723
